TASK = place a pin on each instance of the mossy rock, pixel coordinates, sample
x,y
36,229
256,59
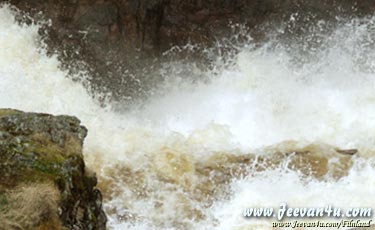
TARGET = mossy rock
x,y
41,148
7,112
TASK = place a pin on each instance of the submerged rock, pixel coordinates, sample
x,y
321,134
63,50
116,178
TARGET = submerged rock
x,y
43,172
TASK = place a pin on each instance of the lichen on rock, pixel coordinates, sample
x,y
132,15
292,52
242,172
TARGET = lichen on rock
x,y
39,149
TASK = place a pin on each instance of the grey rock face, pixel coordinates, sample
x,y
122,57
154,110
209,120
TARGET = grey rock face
x,y
40,148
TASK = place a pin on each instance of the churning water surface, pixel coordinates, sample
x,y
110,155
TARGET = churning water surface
x,y
263,131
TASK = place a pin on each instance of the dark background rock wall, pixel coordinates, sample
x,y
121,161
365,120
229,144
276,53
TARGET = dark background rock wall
x,y
156,25
119,40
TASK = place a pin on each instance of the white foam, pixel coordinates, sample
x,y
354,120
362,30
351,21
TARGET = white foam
x,y
263,100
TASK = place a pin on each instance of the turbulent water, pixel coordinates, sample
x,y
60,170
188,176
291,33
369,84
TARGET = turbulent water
x,y
263,131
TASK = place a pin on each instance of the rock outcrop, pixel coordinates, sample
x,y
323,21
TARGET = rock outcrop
x,y
44,183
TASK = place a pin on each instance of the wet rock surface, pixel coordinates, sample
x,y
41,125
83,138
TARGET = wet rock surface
x,y
121,42
156,25
39,149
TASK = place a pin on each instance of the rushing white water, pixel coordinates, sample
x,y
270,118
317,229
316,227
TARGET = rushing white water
x,y
158,165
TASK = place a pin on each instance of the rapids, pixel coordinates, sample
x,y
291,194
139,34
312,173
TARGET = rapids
x,y
263,131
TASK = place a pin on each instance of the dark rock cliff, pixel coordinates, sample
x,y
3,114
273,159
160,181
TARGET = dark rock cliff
x,y
44,183
156,25
118,40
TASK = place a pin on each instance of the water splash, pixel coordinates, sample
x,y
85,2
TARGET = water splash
x,y
181,160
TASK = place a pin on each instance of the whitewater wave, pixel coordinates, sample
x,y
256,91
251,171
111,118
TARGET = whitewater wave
x,y
273,127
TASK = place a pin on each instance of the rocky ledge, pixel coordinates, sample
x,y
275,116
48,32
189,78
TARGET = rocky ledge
x,y
44,183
